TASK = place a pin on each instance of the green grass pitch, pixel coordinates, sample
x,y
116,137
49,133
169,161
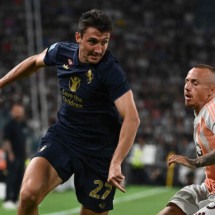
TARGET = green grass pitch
x,y
144,200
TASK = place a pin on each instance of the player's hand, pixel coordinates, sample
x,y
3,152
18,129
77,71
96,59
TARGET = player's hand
x,y
116,178
181,160
118,182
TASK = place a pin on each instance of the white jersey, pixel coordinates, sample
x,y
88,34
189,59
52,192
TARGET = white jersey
x,y
204,138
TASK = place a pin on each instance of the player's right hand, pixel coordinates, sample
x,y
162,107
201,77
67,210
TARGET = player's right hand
x,y
118,182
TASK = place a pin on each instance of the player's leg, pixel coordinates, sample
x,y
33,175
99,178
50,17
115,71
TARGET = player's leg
x,y
188,200
171,209
85,211
92,189
39,179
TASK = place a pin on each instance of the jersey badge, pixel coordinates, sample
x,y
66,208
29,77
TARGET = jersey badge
x,y
102,205
89,75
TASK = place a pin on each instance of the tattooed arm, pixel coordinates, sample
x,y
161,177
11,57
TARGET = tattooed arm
x,y
204,160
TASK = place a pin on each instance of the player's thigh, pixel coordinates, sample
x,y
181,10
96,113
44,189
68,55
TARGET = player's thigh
x,y
40,177
92,189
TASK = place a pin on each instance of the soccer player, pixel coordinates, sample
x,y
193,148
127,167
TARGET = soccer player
x,y
199,93
96,125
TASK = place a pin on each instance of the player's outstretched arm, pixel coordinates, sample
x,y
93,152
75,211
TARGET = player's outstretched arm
x,y
179,159
23,69
127,109
204,160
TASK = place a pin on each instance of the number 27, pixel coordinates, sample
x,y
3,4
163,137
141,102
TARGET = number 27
x,y
94,193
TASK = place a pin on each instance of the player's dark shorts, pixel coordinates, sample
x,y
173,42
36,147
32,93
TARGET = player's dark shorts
x,y
90,172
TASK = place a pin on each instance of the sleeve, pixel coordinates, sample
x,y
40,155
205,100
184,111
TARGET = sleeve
x,y
115,81
213,127
51,55
209,117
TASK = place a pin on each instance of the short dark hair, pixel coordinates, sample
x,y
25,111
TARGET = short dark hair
x,y
205,66
97,19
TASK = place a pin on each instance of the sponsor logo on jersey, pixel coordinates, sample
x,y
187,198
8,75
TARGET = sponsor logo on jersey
x,y
65,66
43,148
70,62
74,83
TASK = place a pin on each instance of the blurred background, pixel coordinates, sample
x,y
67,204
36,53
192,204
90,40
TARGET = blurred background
x,y
156,42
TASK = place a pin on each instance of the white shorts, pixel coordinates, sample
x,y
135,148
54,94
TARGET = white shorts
x,y
192,197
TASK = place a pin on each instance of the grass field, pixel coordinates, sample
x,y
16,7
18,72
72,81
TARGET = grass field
x,y
138,200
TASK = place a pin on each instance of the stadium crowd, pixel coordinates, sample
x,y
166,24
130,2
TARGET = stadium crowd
x,y
157,42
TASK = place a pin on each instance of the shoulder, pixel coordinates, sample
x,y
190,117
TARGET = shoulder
x,y
59,53
109,58
109,62
68,46
208,113
9,124
63,47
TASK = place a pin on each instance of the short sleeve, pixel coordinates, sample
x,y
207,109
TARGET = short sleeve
x,y
50,57
116,81
209,118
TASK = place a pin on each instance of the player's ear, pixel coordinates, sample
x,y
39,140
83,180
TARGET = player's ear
x,y
212,91
78,37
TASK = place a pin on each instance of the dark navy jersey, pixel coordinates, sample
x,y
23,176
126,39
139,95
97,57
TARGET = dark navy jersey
x,y
87,119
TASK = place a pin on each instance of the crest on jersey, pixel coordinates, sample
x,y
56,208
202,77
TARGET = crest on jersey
x,y
74,83
90,76
102,205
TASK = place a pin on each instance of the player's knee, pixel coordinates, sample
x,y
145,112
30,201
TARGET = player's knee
x,y
171,210
29,197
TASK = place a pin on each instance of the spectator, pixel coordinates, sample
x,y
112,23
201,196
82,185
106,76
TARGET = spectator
x,y
14,144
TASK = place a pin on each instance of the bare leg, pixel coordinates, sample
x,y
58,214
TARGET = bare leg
x,y
39,179
171,209
85,211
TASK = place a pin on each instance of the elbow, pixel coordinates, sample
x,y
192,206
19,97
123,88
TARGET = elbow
x,y
136,121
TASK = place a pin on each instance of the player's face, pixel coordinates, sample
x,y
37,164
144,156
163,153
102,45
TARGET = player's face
x,y
197,88
92,45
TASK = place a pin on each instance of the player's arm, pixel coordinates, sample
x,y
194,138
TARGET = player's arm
x,y
23,69
127,109
204,160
